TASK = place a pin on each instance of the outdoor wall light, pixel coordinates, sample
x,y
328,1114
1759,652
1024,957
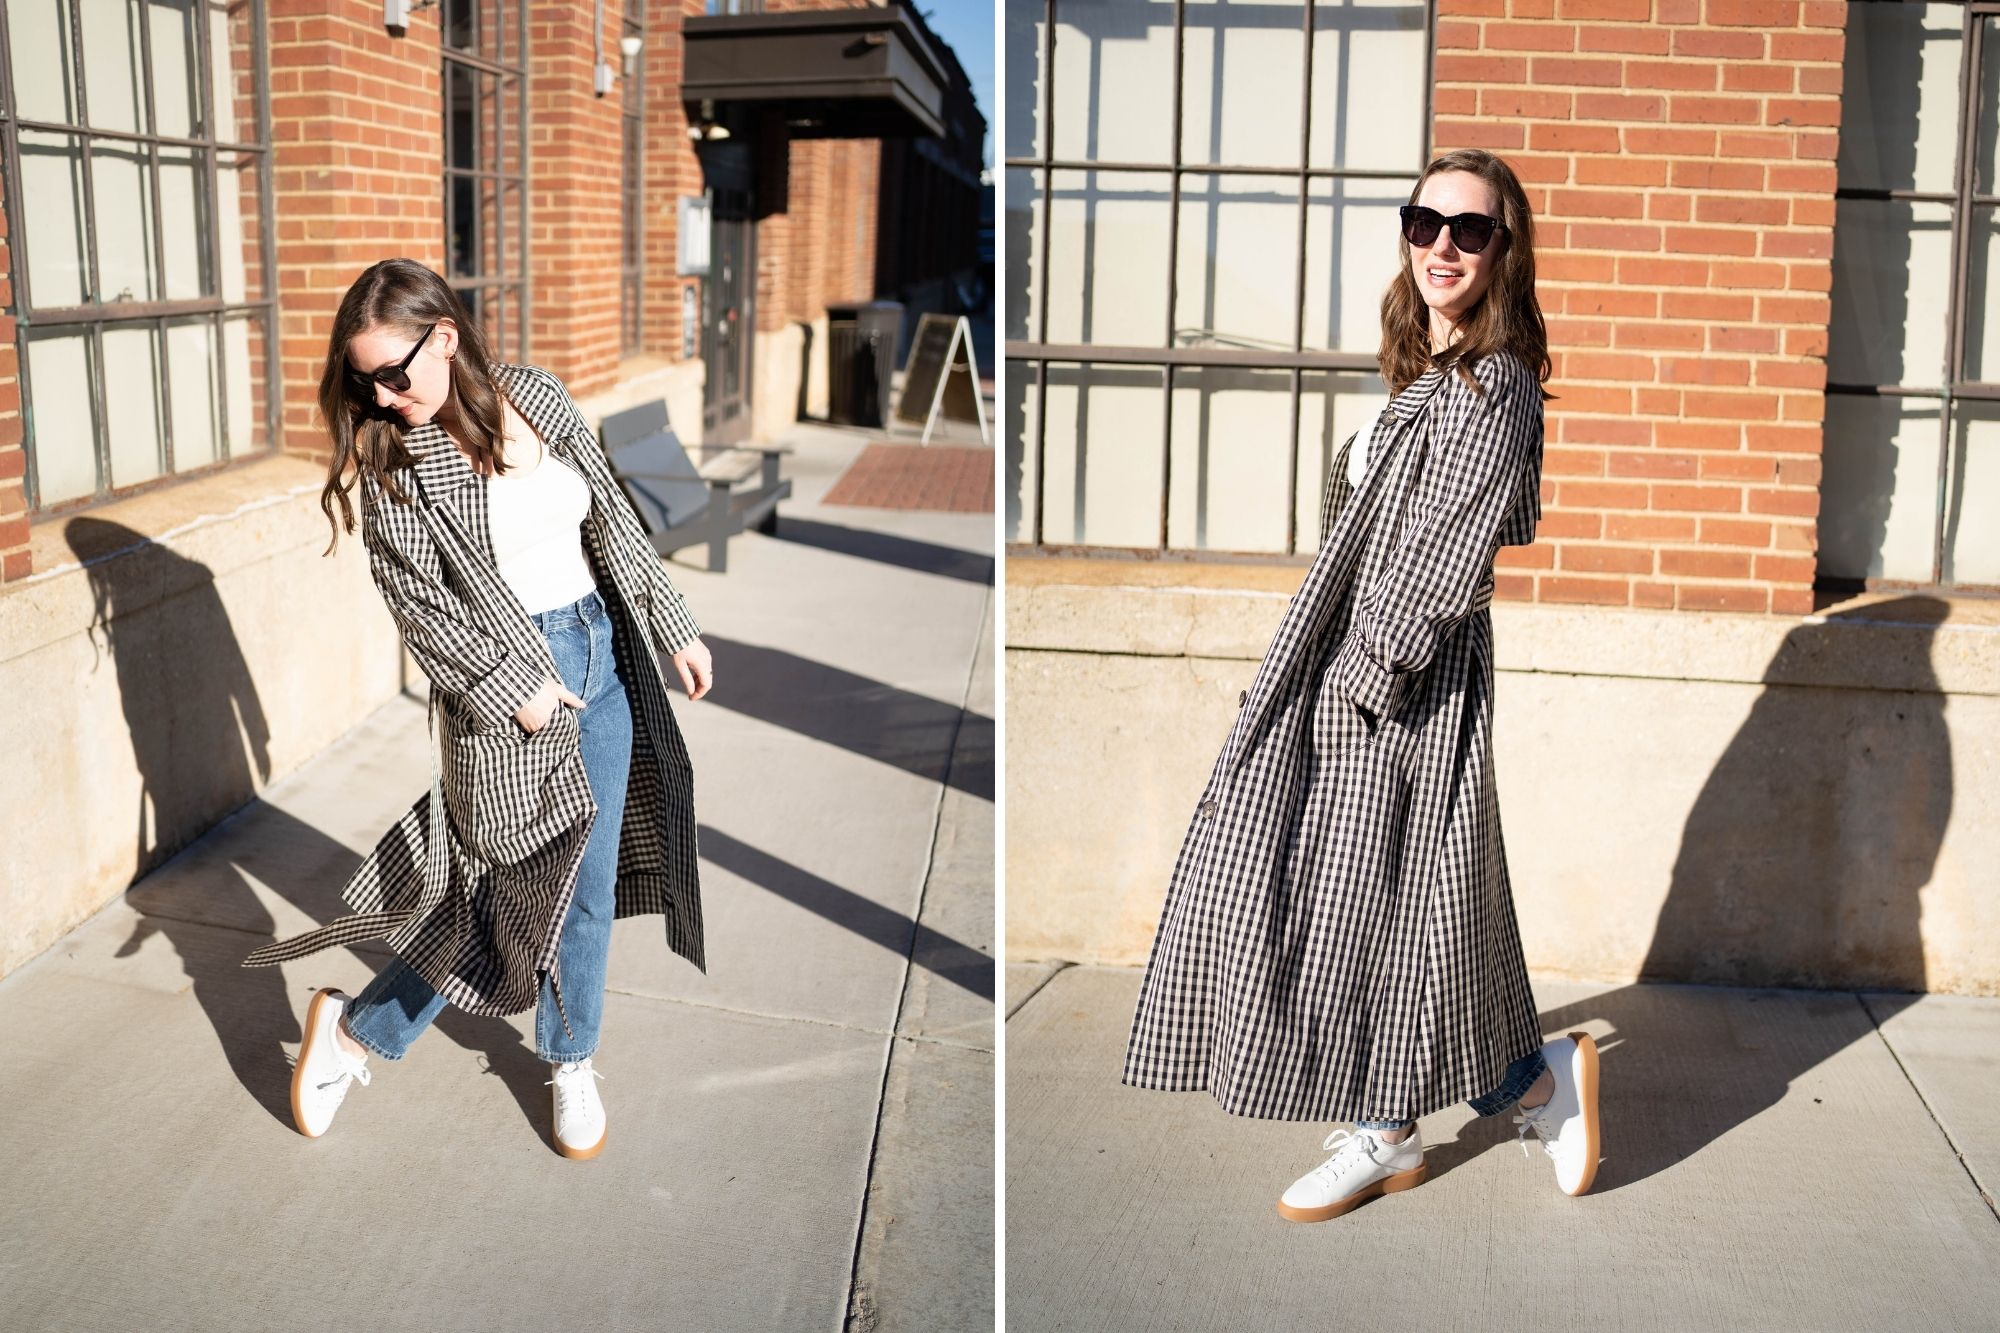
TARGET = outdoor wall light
x,y
707,127
396,13
630,45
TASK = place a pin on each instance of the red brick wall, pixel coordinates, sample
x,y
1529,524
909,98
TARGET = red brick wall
x,y
13,456
671,172
357,135
1679,155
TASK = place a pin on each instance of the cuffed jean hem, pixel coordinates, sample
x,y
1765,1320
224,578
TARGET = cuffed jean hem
x,y
565,1059
1382,1124
1521,1076
366,1044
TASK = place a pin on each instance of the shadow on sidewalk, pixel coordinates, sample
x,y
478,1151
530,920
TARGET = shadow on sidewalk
x,y
1807,849
191,716
886,548
938,953
911,731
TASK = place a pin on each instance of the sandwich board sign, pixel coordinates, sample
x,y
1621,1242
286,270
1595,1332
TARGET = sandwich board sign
x,y
942,377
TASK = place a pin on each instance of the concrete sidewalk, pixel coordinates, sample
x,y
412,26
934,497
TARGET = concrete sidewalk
x,y
800,1139
1773,1160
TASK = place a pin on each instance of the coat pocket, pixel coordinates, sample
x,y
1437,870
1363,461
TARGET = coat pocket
x,y
501,784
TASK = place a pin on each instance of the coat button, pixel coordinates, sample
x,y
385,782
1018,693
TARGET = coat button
x,y
1208,808
1242,697
643,600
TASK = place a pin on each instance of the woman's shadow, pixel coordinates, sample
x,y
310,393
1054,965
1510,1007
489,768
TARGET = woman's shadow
x,y
201,742
1802,859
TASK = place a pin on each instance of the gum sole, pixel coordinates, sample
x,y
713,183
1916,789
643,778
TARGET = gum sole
x,y
299,1069
1402,1180
1586,1095
582,1154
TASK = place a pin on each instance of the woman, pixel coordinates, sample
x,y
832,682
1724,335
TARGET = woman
x,y
1338,940
561,794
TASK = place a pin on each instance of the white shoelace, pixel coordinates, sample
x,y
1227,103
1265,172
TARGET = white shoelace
x,y
351,1070
1343,1145
570,1082
1545,1129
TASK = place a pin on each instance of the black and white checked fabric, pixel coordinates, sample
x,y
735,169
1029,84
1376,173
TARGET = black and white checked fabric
x,y
474,900
1338,940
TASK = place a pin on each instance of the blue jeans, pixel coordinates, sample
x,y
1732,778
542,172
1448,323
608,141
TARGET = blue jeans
x,y
394,1009
1520,1076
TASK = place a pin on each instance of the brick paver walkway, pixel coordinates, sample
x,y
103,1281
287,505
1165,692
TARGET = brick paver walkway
x,y
950,477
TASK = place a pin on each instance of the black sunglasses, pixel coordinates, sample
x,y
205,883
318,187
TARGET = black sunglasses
x,y
1469,231
397,377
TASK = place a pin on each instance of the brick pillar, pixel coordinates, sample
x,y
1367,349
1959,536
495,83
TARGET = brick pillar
x,y
575,143
1679,155
14,563
357,124
671,172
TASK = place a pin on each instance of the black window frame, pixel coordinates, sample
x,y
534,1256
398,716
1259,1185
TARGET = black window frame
x,y
500,298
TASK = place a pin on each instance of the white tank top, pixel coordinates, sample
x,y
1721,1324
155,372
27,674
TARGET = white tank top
x,y
535,513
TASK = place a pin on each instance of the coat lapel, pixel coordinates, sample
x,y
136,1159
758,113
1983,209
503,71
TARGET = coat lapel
x,y
1333,571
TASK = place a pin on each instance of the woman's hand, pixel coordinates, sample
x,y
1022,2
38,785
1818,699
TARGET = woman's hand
x,y
697,668
541,706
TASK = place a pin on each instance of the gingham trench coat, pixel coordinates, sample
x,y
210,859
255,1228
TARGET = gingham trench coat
x,y
470,887
1338,940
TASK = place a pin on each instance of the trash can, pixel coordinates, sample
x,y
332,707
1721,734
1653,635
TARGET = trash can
x,y
861,359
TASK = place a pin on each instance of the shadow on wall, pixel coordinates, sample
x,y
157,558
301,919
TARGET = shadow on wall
x,y
1803,857
198,735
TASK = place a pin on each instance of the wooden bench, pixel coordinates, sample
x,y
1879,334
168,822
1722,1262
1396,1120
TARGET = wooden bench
x,y
684,499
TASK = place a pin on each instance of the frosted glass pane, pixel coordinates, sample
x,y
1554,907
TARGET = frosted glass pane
x,y
1020,479
1108,258
1350,259
1331,408
197,420
1241,70
1878,494
175,75
1368,85
1114,80
230,68
1231,460
1986,156
44,61
1239,248
243,360
52,176
132,407
1102,452
1021,107
236,207
124,222
1982,287
1972,509
111,64
1891,286
1023,225
60,439
1902,70
181,233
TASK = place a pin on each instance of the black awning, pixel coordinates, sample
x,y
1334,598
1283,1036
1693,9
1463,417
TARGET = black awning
x,y
868,73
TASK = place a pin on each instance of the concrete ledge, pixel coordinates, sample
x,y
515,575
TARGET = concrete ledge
x,y
1740,800
176,653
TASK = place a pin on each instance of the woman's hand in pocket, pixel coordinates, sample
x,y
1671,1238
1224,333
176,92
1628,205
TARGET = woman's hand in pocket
x,y
541,706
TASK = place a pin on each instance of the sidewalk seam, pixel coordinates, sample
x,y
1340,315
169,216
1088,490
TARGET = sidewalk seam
x,y
1964,1165
847,1311
1061,967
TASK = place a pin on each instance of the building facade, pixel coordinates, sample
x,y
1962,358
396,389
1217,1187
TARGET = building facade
x,y
652,200
1766,242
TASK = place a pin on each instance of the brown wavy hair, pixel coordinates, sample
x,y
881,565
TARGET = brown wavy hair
x,y
1507,318
403,295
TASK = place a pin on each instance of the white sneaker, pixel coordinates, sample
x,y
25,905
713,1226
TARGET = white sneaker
x,y
1567,1121
1361,1167
324,1071
579,1111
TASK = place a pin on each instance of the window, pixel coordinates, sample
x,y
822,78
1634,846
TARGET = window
x,y
632,198
143,273
1911,488
1194,279
485,166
